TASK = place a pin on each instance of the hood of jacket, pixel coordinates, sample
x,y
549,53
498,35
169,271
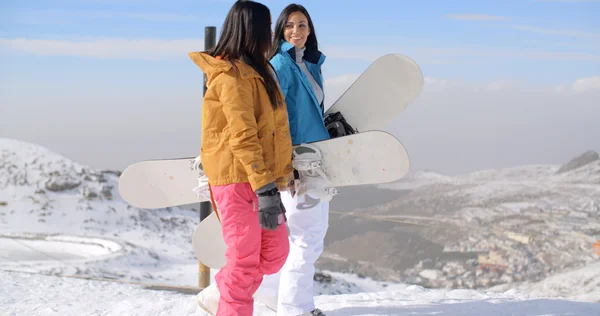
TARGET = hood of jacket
x,y
214,66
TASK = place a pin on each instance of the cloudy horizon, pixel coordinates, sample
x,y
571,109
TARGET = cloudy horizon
x,y
108,83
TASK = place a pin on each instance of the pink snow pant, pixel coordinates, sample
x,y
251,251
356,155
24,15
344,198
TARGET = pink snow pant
x,y
251,252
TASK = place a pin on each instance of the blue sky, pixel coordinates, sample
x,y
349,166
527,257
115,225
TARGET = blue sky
x,y
124,63
479,40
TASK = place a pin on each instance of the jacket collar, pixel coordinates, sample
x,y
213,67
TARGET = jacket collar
x,y
311,55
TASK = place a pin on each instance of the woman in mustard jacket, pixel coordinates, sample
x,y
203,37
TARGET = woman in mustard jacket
x,y
246,154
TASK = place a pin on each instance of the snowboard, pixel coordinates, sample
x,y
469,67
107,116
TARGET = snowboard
x,y
380,93
364,158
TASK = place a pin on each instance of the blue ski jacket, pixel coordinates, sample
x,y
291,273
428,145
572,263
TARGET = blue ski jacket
x,y
305,114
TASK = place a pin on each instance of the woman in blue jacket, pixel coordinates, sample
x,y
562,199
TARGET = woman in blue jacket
x,y
297,62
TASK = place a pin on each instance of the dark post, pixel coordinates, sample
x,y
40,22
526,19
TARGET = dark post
x,y
210,40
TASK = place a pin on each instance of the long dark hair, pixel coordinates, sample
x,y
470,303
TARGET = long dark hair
x,y
246,36
311,41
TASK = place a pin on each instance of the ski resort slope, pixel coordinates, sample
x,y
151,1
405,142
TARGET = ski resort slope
x,y
36,295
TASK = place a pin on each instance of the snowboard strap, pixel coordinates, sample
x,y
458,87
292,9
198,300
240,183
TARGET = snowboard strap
x,y
312,177
203,190
337,126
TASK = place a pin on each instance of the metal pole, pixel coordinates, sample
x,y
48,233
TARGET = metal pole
x,y
210,41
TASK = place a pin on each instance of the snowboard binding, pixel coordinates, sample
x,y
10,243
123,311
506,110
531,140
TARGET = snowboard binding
x,y
336,125
312,178
202,190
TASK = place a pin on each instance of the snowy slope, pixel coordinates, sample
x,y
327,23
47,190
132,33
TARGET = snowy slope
x,y
577,284
36,295
62,218
45,194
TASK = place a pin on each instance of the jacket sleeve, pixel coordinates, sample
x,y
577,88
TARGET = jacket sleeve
x,y
236,97
283,73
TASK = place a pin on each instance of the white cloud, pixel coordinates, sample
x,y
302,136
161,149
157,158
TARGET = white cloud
x,y
68,16
334,87
568,1
532,29
440,83
351,52
146,2
446,55
157,17
106,47
141,48
557,32
443,85
499,85
477,55
477,17
586,84
344,80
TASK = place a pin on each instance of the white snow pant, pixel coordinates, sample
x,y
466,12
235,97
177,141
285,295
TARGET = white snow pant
x,y
292,287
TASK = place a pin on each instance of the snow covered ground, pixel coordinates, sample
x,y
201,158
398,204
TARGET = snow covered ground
x,y
60,219
28,294
20,249
45,195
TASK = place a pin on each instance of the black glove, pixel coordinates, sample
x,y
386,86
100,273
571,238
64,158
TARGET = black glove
x,y
271,212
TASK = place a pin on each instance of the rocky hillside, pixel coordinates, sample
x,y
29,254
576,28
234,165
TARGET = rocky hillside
x,y
584,159
43,193
476,230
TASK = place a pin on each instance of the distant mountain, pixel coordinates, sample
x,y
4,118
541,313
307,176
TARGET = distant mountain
x,y
582,160
486,228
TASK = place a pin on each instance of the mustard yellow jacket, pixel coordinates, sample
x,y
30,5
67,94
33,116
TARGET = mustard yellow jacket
x,y
243,138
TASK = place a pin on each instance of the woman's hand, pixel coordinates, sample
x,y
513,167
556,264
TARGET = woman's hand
x,y
271,212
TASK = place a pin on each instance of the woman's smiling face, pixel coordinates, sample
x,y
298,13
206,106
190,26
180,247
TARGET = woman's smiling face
x,y
296,29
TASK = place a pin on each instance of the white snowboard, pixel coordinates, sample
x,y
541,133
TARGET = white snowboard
x,y
363,158
381,92
208,243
